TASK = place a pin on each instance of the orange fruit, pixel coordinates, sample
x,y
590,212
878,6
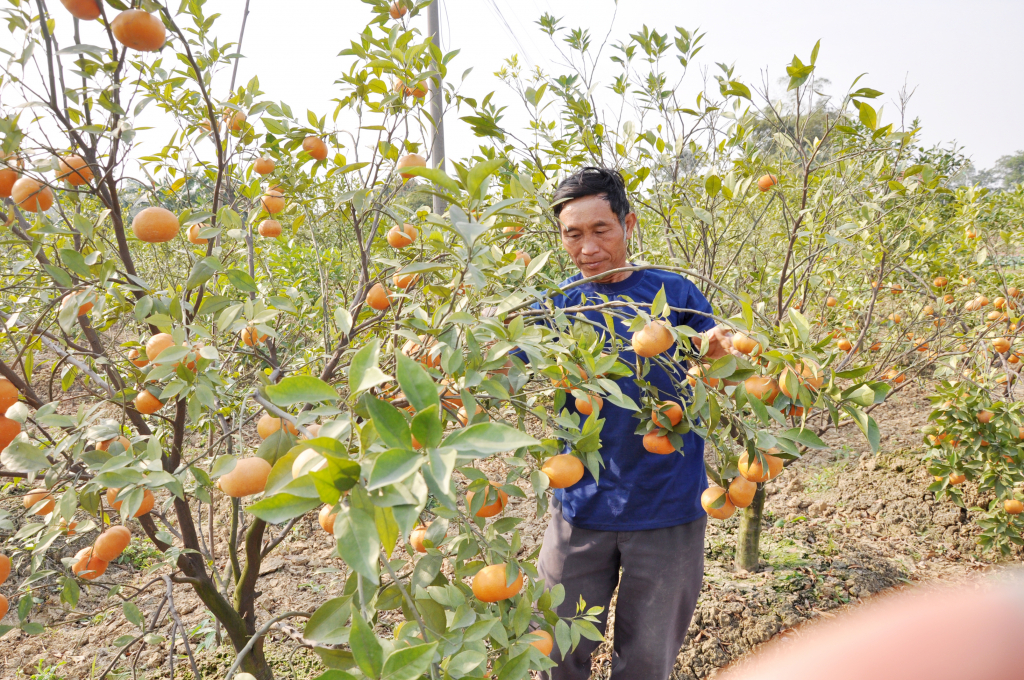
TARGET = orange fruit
x,y
655,442
741,491
194,237
1001,345
524,257
590,404
711,495
4,606
762,387
5,570
8,176
546,642
413,160
809,375
403,281
1012,506
139,30
273,201
37,496
397,10
31,195
955,479
948,298
157,344
940,282
489,584
148,501
88,567
766,182
155,225
268,425
75,170
831,301
416,538
9,429
378,297
697,372
844,344
652,339
463,416
746,345
8,395
985,416
562,470
400,237
146,403
233,120
896,289
83,309
86,10
327,518
250,336
124,441
248,478
111,543
269,229
754,472
672,412
514,231
315,147
1013,291
264,166
489,509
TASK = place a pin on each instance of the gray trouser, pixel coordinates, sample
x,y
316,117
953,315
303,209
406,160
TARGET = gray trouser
x,y
662,570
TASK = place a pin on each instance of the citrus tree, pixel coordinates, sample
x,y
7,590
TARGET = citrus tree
x,y
282,273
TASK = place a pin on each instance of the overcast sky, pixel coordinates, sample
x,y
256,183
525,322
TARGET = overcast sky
x,y
961,59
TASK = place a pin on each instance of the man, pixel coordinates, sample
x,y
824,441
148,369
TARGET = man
x,y
644,517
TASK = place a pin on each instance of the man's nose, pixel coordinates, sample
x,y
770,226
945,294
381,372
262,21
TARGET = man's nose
x,y
590,247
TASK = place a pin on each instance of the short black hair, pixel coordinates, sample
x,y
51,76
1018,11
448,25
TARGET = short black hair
x,y
593,181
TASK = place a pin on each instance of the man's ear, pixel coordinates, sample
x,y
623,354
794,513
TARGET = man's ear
x,y
630,225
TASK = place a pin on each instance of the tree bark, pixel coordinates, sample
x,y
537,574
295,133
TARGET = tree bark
x,y
748,539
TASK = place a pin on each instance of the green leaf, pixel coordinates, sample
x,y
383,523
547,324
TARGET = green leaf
x,y
416,384
334,673
436,176
133,614
480,172
723,367
483,439
365,647
426,427
387,528
392,466
517,667
277,445
282,507
338,477
390,423
363,372
358,542
803,436
201,272
301,389
327,625
409,663
22,456
867,115
241,281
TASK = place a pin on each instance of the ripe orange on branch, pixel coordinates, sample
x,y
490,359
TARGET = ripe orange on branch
x,y
269,229
39,496
326,518
400,237
139,30
146,403
489,584
378,298
112,542
32,195
710,496
268,425
808,373
416,537
264,166
652,340
155,225
659,443
762,387
667,411
315,147
754,471
272,201
489,509
9,429
741,491
412,160
74,170
88,566
8,395
249,477
86,10
546,642
766,182
148,501
562,470
591,403
250,336
745,344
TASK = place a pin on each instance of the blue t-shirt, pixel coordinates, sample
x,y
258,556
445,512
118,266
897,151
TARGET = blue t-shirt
x,y
639,490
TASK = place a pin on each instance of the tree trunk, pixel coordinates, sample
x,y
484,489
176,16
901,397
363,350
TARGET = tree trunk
x,y
748,540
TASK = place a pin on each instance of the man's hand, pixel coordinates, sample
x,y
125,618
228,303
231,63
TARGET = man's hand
x,y
719,342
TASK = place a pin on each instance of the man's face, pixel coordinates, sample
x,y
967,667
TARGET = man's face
x,y
594,237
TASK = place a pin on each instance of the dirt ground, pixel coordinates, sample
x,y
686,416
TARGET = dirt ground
x,y
841,525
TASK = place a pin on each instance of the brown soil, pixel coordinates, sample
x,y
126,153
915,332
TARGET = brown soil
x,y
841,525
